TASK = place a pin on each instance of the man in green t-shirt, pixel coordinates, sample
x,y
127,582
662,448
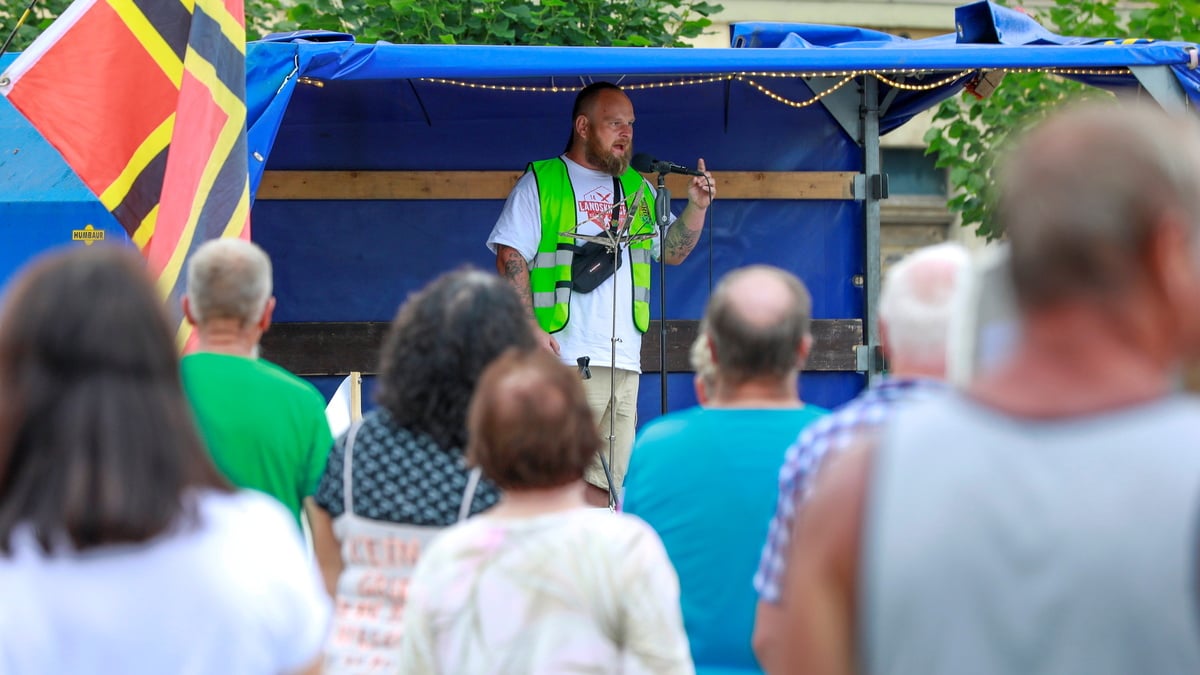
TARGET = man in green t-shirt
x,y
265,428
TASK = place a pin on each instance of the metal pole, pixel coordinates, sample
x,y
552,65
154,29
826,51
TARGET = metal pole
x,y
612,383
662,204
872,167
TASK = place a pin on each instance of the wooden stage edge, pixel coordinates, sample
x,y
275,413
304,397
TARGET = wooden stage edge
x,y
433,185
339,348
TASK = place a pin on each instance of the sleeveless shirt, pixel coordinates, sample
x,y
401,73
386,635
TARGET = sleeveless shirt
x,y
995,544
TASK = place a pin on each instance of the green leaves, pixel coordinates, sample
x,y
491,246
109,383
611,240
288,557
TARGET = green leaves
x,y
637,23
968,132
42,16
1179,20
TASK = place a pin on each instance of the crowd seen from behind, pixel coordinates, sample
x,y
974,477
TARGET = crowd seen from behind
x,y
1036,517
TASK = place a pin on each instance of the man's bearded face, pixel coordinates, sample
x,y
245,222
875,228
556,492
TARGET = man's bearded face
x,y
601,153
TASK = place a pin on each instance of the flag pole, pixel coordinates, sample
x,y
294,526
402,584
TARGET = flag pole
x,y
20,22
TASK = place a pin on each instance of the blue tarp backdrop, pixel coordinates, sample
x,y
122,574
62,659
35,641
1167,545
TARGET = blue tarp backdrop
x,y
318,101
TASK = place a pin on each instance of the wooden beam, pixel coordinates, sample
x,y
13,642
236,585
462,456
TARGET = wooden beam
x,y
834,341
325,348
421,185
340,348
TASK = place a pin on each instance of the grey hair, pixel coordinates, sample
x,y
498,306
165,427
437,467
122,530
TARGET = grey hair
x,y
701,359
228,279
1080,196
918,299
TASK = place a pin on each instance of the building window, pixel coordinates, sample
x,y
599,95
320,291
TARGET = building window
x,y
915,213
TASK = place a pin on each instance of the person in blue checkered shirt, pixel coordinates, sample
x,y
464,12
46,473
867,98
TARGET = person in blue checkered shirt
x,y
915,306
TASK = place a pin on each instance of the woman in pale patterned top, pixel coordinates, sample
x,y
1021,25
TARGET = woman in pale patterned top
x,y
542,583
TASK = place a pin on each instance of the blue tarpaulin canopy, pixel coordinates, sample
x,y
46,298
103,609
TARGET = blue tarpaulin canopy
x,y
787,98
988,37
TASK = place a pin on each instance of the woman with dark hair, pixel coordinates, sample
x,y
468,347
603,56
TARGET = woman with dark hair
x,y
397,479
122,550
542,583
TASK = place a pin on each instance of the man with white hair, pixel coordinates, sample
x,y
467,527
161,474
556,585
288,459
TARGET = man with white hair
x,y
265,428
915,306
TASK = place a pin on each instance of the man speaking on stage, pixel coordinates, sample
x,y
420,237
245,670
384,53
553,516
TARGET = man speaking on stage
x,y
574,288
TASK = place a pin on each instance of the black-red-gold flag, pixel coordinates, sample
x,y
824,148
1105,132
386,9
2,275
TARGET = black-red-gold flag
x,y
145,99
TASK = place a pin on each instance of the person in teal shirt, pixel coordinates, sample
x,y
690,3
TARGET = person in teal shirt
x,y
264,427
706,478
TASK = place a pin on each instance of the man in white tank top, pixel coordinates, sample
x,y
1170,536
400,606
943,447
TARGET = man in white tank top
x,y
1044,520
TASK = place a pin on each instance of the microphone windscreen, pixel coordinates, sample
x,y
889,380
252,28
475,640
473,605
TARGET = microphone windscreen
x,y
643,163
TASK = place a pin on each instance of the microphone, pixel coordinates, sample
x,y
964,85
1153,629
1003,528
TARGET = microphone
x,y
646,164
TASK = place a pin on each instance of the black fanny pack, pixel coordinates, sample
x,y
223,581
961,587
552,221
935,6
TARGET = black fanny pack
x,y
592,264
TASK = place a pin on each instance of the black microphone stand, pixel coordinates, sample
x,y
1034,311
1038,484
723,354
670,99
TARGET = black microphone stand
x,y
613,238
662,204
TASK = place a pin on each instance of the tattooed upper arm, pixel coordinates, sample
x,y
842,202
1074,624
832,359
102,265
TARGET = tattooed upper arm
x,y
510,263
513,265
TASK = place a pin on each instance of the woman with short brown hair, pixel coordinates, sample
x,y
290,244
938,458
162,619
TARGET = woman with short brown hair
x,y
542,582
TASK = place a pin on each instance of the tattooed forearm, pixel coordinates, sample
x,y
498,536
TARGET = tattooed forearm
x,y
512,266
679,242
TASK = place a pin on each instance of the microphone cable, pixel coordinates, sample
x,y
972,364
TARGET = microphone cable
x,y
712,201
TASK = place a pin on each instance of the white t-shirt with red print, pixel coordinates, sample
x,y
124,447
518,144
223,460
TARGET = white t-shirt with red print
x,y
589,328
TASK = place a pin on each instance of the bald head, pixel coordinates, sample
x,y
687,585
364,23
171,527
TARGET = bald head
x,y
761,296
757,320
1081,194
916,302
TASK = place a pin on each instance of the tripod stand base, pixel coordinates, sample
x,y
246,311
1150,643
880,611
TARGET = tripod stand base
x,y
612,489
612,395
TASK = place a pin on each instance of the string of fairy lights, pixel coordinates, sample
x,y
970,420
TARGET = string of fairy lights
x,y
891,78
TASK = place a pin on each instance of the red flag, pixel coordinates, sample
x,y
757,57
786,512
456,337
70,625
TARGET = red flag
x,y
145,99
